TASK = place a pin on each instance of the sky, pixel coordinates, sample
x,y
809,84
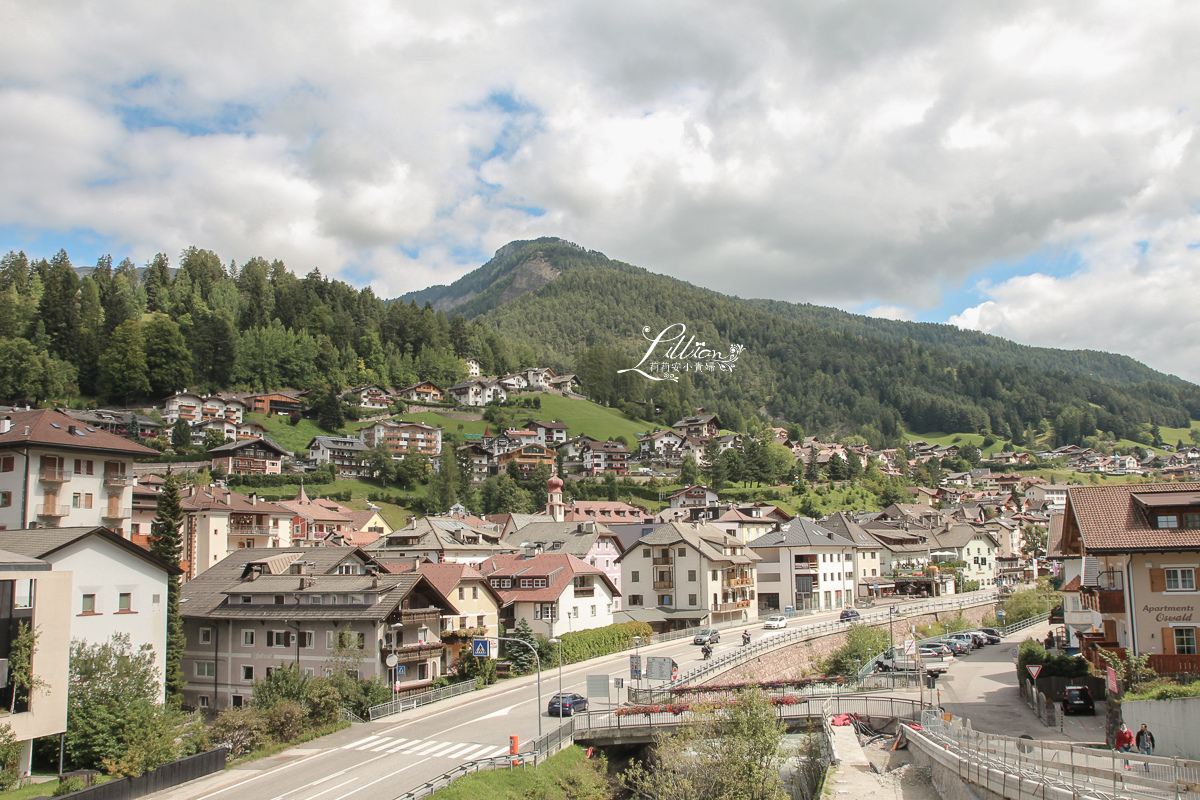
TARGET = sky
x,y
1021,168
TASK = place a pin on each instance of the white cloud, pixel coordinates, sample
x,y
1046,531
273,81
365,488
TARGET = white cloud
x,y
891,312
865,155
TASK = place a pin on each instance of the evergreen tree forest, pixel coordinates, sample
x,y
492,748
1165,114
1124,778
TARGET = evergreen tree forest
x,y
131,334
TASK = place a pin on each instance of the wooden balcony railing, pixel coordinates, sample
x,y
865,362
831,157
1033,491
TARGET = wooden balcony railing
x,y
412,652
661,561
416,616
664,584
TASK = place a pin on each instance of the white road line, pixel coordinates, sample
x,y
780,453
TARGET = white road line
x,y
275,771
441,751
472,748
425,748
492,753
352,745
398,745
377,780
455,752
306,786
330,789
382,745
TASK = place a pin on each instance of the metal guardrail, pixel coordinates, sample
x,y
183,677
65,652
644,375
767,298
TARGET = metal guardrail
x,y
884,681
347,714
1082,770
543,748
819,629
414,701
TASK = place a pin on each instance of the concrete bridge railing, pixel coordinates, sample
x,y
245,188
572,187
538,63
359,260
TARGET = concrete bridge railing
x,y
1025,769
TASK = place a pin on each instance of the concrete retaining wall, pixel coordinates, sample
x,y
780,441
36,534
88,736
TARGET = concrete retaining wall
x,y
796,660
957,779
1174,723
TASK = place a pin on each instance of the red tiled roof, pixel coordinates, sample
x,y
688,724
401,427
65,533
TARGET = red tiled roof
x,y
559,569
1109,519
53,428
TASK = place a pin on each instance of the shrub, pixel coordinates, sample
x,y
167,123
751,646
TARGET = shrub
x,y
240,729
285,682
10,757
285,720
67,786
324,702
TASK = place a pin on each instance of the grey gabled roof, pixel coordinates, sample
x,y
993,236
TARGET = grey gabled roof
x,y
233,447
43,542
574,538
706,539
844,525
801,532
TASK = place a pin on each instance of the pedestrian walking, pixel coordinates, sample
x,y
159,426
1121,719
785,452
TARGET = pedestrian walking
x,y
1145,743
1124,741
1049,640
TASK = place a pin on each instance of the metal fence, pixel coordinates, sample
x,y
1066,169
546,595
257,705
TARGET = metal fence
x,y
883,681
543,748
1084,771
157,779
822,629
417,700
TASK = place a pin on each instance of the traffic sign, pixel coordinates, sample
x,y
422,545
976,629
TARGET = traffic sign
x,y
910,647
1034,670
481,648
1001,614
1014,654
635,668
1111,677
659,668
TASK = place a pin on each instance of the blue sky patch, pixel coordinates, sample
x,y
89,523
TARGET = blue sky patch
x,y
83,245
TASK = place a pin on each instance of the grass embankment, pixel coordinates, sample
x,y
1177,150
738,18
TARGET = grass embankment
x,y
580,417
295,437
44,789
566,775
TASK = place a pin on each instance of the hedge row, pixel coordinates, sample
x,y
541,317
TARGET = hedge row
x,y
582,645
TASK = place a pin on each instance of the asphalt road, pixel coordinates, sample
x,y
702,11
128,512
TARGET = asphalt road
x,y
982,687
381,760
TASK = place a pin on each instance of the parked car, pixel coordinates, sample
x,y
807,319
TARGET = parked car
x,y
1078,700
957,647
896,660
707,636
967,639
936,649
849,614
777,621
982,637
993,635
566,704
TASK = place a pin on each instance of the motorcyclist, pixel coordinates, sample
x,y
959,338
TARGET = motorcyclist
x,y
745,638
706,651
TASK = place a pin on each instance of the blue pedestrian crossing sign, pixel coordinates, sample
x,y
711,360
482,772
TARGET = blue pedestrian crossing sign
x,y
481,648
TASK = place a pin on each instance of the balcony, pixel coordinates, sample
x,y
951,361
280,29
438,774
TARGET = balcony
x,y
55,475
589,591
418,616
53,510
116,513
664,585
1105,601
740,582
117,479
413,652
806,568
663,561
251,530
723,607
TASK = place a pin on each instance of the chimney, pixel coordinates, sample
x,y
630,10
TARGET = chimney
x,y
5,425
254,498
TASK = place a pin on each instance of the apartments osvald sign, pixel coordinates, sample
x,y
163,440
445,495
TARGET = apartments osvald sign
x,y
672,351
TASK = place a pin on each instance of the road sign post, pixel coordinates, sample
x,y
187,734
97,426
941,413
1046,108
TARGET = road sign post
x,y
1034,670
635,668
659,668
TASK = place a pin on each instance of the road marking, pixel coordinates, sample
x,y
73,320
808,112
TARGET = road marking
x,y
456,752
501,712
398,744
492,753
307,785
472,748
377,780
423,748
384,745
352,745
330,789
295,763
441,751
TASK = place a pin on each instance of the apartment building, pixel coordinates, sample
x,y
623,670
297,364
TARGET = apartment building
x,y
258,456
805,567
555,593
55,472
347,454
403,438
218,522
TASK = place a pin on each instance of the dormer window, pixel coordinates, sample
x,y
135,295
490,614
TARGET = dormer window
x,y
1163,521
247,599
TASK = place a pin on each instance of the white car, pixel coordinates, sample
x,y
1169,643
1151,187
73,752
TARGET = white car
x,y
777,621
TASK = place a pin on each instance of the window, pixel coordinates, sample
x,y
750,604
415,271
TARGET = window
x,y
682,552
314,600
635,576
247,672
593,611
124,601
277,639
347,569
87,500
203,701
646,552
237,701
278,599
206,636
462,593
76,500
474,592
247,638
89,604
664,599
715,576
247,599
206,669
5,499
692,575
1191,520
1180,579
8,463
635,599
306,639
1185,641
1167,521
691,599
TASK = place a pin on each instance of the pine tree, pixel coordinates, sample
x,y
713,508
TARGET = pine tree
x,y
812,470
167,544
123,365
522,658
688,472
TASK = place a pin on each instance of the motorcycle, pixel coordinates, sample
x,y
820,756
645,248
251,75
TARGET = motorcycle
x,y
745,638
706,652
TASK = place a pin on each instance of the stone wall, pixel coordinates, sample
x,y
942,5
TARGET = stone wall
x,y
795,660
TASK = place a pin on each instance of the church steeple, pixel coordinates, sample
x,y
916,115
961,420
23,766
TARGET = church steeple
x,y
554,502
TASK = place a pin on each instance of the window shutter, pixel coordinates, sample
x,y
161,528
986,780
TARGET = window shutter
x,y
1168,637
1158,580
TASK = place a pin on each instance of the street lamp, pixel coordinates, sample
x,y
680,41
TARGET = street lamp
x,y
538,661
558,642
395,667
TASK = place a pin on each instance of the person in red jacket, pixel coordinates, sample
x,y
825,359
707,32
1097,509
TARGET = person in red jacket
x,y
1124,741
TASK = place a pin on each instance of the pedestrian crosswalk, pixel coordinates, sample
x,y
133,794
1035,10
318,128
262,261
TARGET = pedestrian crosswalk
x,y
388,745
